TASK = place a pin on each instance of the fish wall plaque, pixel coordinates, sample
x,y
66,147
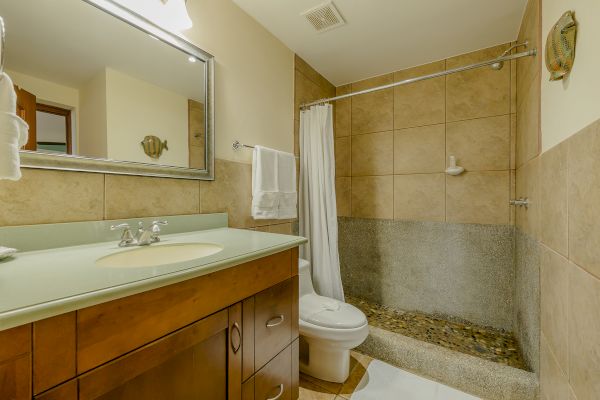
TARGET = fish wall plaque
x,y
153,146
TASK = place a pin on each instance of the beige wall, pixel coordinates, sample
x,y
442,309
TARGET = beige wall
x,y
254,78
254,104
562,184
136,109
571,104
93,126
392,146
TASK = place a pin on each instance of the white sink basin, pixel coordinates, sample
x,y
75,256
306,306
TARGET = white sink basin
x,y
161,254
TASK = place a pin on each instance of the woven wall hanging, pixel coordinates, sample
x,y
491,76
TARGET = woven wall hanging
x,y
560,46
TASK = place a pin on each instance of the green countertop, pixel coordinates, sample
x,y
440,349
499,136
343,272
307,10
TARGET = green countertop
x,y
44,283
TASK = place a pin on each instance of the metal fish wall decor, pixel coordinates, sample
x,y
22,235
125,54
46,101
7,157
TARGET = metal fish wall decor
x,y
153,146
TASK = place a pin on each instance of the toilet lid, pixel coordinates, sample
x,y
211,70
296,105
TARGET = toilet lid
x,y
330,313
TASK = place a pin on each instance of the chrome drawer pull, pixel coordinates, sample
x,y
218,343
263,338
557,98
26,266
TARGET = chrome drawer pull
x,y
279,394
235,348
278,320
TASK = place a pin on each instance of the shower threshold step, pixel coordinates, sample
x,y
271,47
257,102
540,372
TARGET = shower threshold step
x,y
442,350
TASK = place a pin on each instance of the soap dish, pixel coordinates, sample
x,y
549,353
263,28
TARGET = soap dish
x,y
6,252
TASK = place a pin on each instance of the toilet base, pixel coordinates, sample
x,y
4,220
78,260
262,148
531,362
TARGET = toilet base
x,y
324,361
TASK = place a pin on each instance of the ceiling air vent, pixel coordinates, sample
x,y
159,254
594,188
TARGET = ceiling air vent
x,y
324,17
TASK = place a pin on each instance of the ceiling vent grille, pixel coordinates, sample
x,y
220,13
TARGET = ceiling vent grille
x,y
324,17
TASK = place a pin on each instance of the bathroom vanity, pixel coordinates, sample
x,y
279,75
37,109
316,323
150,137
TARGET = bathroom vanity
x,y
220,327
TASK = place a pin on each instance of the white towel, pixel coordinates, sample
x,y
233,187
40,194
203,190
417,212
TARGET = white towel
x,y
14,131
273,184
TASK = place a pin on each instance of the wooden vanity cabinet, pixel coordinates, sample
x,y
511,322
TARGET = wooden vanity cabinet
x,y
226,335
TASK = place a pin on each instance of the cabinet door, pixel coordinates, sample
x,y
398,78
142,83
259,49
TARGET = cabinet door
x,y
15,363
191,363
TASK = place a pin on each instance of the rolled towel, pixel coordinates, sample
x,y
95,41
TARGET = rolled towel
x,y
14,132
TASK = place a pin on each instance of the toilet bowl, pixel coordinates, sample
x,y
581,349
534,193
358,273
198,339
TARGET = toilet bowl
x,y
329,329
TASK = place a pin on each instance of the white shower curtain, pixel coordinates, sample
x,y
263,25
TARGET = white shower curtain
x,y
318,214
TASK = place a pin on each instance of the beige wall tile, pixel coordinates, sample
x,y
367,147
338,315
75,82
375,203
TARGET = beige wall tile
x,y
478,198
296,138
584,198
513,141
528,219
421,103
308,71
285,229
305,91
373,197
554,284
584,337
264,228
554,384
420,197
528,123
373,154
420,150
554,220
478,93
343,112
529,67
343,165
44,197
513,86
480,144
343,192
373,112
230,192
513,195
140,196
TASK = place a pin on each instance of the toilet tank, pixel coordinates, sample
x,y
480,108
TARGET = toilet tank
x,y
306,285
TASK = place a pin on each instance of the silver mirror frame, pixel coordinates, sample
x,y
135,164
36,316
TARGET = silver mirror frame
x,y
67,162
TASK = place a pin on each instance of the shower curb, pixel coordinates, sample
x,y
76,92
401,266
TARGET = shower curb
x,y
479,377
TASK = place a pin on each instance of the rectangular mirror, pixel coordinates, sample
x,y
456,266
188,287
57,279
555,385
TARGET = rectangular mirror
x,y
105,90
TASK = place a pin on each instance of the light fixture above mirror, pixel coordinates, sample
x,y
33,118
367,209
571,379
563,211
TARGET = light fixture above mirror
x,y
169,14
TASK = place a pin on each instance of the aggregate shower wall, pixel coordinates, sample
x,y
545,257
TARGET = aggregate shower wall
x,y
392,148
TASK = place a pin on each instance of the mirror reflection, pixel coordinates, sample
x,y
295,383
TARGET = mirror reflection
x,y
89,84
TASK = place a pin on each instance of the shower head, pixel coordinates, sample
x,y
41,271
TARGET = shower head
x,y
497,66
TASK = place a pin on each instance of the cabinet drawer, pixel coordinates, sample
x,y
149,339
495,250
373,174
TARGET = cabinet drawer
x,y
274,380
272,322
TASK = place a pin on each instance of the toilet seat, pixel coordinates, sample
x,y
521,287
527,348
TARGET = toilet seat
x,y
330,313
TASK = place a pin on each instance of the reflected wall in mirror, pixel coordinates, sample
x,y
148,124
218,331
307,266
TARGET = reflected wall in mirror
x,y
92,85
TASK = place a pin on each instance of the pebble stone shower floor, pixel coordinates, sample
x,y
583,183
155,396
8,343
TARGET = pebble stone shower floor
x,y
484,342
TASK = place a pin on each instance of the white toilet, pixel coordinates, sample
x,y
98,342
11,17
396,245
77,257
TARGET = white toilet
x,y
329,328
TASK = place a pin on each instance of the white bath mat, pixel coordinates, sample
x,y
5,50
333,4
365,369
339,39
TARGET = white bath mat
x,y
385,382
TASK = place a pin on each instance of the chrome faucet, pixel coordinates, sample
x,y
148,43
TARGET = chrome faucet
x,y
143,237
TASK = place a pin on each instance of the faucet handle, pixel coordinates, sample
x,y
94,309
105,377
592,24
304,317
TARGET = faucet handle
x,y
126,237
155,228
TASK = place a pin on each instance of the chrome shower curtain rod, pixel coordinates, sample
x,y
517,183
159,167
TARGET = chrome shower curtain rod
x,y
529,53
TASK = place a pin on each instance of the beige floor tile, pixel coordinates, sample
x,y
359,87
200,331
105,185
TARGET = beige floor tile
x,y
478,198
420,150
420,197
358,367
480,144
584,337
373,197
373,154
140,196
554,282
421,103
311,391
584,198
478,93
324,386
44,197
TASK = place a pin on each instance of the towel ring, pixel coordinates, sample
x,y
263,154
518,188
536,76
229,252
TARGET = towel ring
x,y
3,48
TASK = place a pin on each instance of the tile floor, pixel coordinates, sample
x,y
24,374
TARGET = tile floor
x,y
487,343
371,379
